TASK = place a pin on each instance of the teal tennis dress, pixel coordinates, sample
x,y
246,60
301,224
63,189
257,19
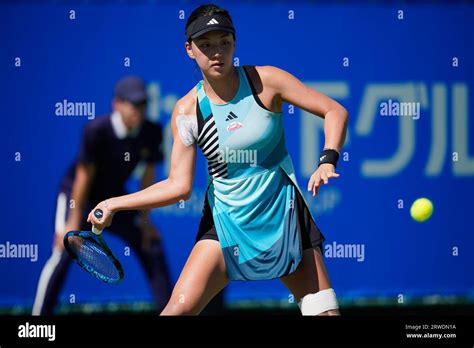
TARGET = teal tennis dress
x,y
253,204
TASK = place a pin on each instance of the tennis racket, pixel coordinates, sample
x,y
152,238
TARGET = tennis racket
x,y
90,251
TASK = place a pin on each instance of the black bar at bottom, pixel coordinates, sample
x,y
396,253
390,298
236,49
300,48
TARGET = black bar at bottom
x,y
135,330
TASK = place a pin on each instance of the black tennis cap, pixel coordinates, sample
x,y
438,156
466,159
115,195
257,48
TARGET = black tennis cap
x,y
205,24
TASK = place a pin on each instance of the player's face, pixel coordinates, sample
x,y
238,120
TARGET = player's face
x,y
132,114
213,53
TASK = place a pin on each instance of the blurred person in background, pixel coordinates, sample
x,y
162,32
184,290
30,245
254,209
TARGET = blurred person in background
x,y
111,148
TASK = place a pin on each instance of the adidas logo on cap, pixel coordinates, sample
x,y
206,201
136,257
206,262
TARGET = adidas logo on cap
x,y
212,21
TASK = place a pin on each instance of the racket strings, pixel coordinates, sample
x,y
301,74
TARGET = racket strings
x,y
91,254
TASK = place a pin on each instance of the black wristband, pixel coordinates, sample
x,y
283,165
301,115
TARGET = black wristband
x,y
328,156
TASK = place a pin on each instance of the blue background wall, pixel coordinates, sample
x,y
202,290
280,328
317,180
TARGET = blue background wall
x,y
409,60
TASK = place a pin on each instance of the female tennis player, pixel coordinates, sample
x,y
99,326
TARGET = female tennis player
x,y
256,223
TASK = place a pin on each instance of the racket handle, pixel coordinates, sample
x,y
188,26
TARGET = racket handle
x,y
96,231
98,213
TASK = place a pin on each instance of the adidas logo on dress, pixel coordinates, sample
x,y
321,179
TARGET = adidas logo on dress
x,y
231,116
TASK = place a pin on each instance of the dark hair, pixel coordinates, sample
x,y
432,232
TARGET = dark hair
x,y
207,10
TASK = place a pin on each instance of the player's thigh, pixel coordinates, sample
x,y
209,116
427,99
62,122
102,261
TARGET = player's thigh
x,y
311,275
202,277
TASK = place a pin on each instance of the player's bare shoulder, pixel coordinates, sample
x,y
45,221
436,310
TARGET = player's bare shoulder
x,y
267,80
184,118
270,75
186,106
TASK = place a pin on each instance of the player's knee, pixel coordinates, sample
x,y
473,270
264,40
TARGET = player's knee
x,y
333,312
323,302
176,308
173,310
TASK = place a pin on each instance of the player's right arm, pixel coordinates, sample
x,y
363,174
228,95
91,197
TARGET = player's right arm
x,y
178,185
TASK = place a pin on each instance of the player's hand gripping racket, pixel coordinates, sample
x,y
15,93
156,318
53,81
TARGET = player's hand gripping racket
x,y
90,251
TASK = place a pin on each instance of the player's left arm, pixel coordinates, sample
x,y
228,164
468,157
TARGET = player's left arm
x,y
287,88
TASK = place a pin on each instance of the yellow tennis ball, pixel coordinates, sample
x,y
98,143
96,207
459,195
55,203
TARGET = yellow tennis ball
x,y
421,209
